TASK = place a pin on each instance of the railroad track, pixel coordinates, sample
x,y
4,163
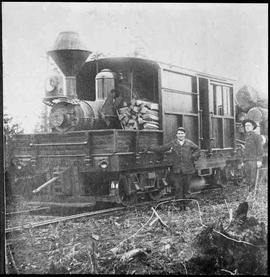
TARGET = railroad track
x,y
27,211
59,219
27,226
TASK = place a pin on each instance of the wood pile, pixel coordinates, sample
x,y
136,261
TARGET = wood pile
x,y
251,105
258,114
247,97
139,115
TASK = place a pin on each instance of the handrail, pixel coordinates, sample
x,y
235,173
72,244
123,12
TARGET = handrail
x,y
58,144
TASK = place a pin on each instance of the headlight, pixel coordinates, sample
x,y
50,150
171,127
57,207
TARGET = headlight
x,y
19,165
103,164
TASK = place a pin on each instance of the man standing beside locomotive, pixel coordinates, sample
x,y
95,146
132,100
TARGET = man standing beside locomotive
x,y
184,152
253,153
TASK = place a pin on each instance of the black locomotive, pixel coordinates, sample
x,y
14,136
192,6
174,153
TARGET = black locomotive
x,y
82,161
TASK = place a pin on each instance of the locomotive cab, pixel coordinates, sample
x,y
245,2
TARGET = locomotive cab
x,y
136,78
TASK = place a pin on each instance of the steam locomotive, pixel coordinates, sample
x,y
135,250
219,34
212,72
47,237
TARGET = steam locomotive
x,y
82,161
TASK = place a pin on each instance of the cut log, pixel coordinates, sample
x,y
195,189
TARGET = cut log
x,y
125,120
143,109
241,116
258,114
150,105
132,124
140,120
124,110
122,116
136,109
149,116
247,98
149,125
153,112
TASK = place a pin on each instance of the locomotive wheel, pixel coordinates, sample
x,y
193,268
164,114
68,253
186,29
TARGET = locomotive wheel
x,y
158,192
125,197
155,195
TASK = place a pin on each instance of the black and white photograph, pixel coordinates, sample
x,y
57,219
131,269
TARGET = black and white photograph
x,y
135,138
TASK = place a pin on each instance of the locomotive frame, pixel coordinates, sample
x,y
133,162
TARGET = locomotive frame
x,y
86,166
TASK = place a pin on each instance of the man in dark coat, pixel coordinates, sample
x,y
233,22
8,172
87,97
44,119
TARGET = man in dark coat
x,y
253,153
184,152
109,109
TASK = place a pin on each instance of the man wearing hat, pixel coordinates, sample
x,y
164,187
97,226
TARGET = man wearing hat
x,y
253,153
184,152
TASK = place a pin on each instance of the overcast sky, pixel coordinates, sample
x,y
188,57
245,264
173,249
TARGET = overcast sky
x,y
230,40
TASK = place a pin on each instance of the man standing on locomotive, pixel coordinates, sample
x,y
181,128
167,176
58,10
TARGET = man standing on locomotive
x,y
184,152
109,109
253,153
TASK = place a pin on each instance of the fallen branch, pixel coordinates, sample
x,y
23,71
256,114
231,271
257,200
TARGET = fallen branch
x,y
228,271
229,211
155,220
159,218
6,262
13,263
240,241
176,200
184,267
92,257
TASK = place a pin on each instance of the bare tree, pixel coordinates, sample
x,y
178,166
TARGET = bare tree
x,y
10,129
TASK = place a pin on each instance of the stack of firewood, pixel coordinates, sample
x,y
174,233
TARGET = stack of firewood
x,y
139,115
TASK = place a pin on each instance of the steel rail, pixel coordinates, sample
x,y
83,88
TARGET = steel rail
x,y
27,211
59,219
76,216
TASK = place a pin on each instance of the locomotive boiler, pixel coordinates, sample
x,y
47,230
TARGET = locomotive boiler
x,y
81,161
68,112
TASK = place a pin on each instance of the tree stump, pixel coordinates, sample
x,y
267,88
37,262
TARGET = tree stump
x,y
239,248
